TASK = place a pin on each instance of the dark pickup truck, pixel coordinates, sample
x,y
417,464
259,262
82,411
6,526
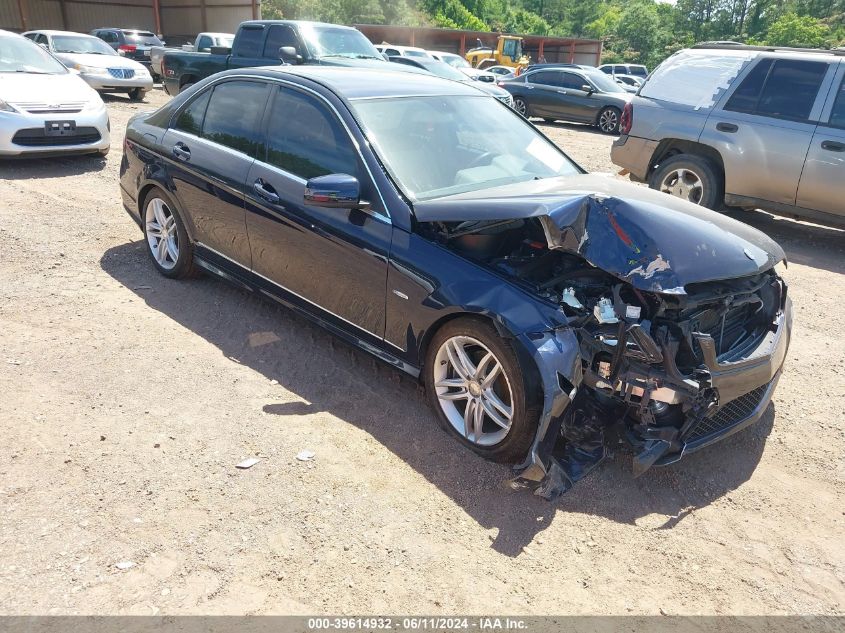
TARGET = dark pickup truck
x,y
270,43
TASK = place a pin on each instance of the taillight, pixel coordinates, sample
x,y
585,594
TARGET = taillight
x,y
127,48
627,118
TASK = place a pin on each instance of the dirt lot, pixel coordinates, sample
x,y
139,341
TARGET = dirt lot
x,y
127,399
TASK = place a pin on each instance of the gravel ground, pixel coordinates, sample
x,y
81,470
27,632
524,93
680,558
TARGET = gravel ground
x,y
127,400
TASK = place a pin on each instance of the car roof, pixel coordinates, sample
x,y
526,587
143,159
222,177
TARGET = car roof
x,y
296,23
367,83
735,46
55,32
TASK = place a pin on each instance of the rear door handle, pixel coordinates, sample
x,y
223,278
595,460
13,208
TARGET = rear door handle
x,y
833,146
727,127
265,191
182,151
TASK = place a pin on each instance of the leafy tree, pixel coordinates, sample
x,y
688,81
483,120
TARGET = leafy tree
x,y
793,30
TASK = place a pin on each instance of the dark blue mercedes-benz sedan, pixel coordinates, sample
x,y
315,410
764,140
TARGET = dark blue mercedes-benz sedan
x,y
551,315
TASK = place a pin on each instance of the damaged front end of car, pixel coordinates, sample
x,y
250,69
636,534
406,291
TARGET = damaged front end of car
x,y
677,322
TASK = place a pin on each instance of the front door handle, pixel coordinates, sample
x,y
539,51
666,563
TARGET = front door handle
x,y
727,127
182,151
833,146
563,92
265,191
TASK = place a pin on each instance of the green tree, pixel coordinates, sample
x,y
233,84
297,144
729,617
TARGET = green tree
x,y
794,30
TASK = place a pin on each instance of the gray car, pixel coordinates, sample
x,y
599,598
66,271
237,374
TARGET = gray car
x,y
573,93
742,126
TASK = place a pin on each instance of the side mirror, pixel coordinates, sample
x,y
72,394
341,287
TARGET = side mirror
x,y
587,88
289,55
334,191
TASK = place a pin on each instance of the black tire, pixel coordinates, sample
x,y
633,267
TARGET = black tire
x,y
103,152
705,171
550,120
608,120
184,265
526,406
137,94
521,106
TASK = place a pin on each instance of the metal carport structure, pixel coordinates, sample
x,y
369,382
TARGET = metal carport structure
x,y
170,17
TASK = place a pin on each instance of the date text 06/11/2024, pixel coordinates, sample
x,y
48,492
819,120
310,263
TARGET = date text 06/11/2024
x,y
418,624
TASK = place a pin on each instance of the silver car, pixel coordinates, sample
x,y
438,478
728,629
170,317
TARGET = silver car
x,y
742,126
97,62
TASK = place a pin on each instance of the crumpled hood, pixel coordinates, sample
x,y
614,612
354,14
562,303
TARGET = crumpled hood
x,y
654,241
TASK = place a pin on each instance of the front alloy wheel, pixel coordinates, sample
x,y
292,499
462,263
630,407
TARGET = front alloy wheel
x,y
478,389
473,391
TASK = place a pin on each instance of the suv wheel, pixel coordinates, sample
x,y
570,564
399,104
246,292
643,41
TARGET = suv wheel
x,y
689,177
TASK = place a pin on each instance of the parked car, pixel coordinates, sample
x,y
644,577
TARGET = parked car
x,y
502,72
45,108
550,314
573,93
392,50
742,126
446,71
203,43
637,70
629,82
266,43
98,64
456,61
131,43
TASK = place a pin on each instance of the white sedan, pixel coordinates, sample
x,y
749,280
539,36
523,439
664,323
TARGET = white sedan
x,y
98,63
46,108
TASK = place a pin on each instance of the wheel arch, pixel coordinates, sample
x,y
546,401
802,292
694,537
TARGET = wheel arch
x,y
672,146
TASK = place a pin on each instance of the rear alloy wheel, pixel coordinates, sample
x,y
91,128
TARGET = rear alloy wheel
x,y
520,106
167,240
608,121
691,178
478,392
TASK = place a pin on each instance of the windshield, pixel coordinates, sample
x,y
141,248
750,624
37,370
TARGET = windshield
x,y
142,38
328,41
443,145
19,55
455,61
81,44
602,81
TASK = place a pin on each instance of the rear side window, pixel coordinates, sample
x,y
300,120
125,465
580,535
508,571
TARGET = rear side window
x,y
745,97
695,78
191,118
234,113
248,42
277,36
639,71
545,78
837,115
307,139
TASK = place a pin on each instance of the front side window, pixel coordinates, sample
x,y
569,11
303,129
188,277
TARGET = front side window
x,y
248,42
306,139
277,36
440,145
573,82
510,49
234,113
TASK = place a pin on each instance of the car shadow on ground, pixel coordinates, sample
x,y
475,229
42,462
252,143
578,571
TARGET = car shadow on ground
x,y
29,168
575,127
804,243
330,376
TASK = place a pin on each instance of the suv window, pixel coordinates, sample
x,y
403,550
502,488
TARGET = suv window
x,y
277,36
248,42
783,88
639,71
307,139
837,114
234,113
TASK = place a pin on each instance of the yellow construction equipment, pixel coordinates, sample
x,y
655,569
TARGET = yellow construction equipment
x,y
508,52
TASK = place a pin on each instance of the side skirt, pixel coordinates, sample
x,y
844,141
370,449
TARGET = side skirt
x,y
248,280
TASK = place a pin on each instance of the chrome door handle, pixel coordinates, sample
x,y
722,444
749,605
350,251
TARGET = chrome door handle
x,y
265,191
182,151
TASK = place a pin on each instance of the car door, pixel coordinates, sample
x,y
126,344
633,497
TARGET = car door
x,y
821,187
334,259
541,93
212,145
577,103
763,128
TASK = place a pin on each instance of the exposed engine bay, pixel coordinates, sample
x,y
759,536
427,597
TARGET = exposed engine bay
x,y
658,369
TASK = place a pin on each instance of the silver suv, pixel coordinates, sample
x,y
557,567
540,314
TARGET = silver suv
x,y
742,126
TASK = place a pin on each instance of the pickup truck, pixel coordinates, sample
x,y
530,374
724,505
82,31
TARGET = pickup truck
x,y
203,43
270,43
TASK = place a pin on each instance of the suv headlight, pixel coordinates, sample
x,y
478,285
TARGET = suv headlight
x,y
91,70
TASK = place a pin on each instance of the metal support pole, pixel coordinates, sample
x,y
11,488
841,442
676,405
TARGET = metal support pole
x,y
22,8
157,16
